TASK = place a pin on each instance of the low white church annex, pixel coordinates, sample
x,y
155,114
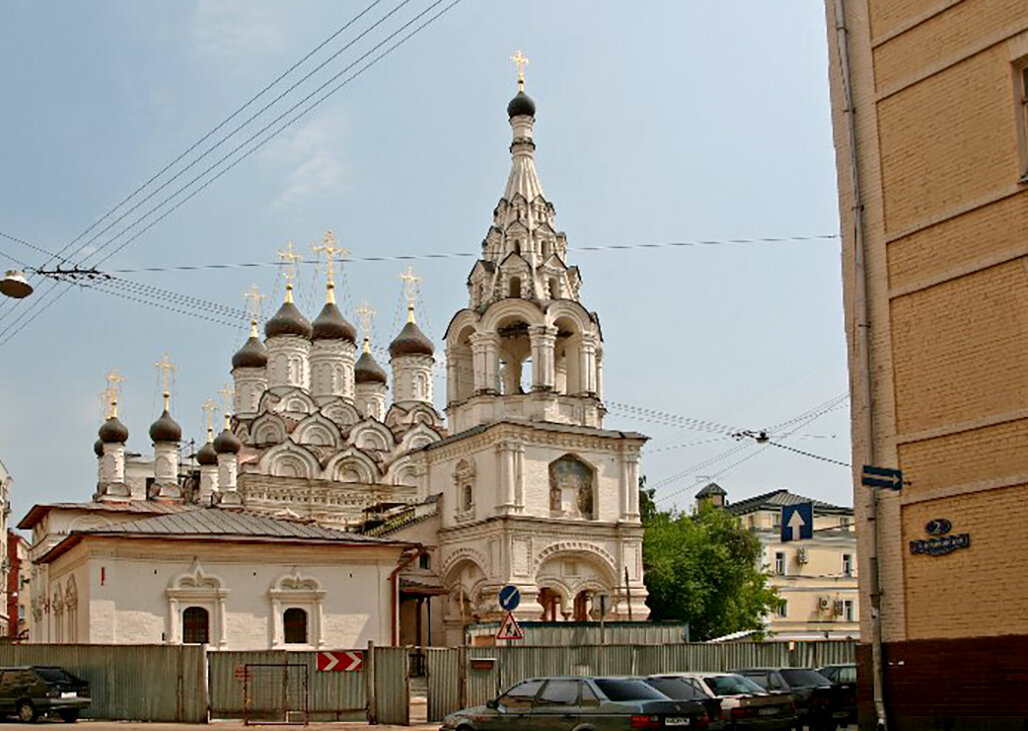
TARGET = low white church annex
x,y
337,506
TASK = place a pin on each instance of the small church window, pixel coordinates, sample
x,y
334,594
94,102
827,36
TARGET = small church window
x,y
554,288
294,625
195,626
467,498
517,246
515,286
425,562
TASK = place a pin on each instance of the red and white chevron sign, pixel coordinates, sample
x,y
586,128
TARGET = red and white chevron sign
x,y
341,661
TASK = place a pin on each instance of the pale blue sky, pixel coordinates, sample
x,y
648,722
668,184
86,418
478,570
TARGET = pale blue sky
x,y
656,122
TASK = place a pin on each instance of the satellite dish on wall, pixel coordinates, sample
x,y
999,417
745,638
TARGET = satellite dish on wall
x,y
14,284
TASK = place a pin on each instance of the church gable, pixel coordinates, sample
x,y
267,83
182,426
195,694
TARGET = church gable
x,y
318,431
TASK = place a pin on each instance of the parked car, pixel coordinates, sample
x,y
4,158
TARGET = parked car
x,y
568,703
738,703
844,678
816,701
30,692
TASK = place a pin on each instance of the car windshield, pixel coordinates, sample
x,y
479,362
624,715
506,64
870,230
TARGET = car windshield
x,y
56,675
628,690
731,685
803,678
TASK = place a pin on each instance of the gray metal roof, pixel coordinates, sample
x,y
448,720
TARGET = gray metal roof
x,y
219,522
779,498
712,488
127,506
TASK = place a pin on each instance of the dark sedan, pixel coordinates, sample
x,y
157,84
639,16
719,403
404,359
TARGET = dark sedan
x,y
738,702
571,703
817,703
844,678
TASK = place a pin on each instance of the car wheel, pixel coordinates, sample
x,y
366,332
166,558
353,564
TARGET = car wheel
x,y
27,712
69,716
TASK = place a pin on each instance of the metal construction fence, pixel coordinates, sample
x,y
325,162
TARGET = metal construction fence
x,y
545,634
129,682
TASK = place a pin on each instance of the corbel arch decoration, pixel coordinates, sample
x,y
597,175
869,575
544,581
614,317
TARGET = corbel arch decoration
x,y
403,471
196,588
290,460
317,430
371,435
268,428
353,465
417,437
465,553
579,549
290,594
343,414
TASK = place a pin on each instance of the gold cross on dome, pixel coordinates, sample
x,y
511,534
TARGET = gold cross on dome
x,y
410,285
290,257
365,316
113,390
332,252
521,60
227,393
253,299
209,407
165,370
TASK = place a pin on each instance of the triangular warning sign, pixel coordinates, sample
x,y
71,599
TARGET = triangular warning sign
x,y
510,629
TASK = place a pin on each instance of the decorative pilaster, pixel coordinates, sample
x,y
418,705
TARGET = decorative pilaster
x,y
543,338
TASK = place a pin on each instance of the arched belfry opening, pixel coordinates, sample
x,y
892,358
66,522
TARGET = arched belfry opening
x,y
514,356
567,357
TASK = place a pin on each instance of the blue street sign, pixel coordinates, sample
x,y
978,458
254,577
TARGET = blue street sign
x,y
887,477
797,522
510,597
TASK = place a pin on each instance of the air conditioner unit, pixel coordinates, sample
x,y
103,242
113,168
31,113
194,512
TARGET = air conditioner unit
x,y
801,556
823,603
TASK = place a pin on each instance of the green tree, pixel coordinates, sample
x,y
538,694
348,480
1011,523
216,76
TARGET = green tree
x,y
703,569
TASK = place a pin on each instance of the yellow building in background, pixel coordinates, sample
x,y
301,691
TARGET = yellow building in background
x,y
930,118
815,578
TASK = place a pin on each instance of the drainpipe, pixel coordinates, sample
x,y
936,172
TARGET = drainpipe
x,y
394,584
861,338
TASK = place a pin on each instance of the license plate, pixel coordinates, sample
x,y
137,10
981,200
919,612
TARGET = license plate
x,y
67,694
767,711
676,721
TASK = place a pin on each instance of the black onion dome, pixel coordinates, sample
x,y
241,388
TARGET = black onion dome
x,y
165,429
227,442
207,454
368,371
288,321
521,104
253,354
411,341
113,431
331,325
98,448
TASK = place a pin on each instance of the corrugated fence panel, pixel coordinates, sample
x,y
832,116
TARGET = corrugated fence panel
x,y
392,685
443,668
330,695
567,634
128,682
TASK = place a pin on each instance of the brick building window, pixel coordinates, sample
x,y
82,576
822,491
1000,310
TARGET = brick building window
x,y
847,610
847,564
783,609
779,563
1021,99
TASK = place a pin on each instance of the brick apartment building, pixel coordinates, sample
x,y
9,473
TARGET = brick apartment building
x,y
931,132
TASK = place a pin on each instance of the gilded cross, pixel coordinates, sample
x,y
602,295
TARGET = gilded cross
x,y
521,60
209,407
227,393
365,316
254,298
332,252
113,390
165,371
290,257
410,290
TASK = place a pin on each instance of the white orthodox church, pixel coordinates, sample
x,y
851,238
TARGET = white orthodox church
x,y
386,521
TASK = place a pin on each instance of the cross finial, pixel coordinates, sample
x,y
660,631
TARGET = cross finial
x,y
253,298
289,257
521,60
410,290
332,252
165,371
112,391
365,316
227,393
209,407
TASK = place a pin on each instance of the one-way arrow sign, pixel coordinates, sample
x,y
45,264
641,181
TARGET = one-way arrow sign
x,y
886,477
797,522
340,661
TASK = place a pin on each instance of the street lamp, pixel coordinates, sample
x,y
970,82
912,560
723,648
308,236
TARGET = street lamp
x,y
14,284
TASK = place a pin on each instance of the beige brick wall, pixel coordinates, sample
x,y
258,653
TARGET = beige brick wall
x,y
890,16
977,591
948,141
961,348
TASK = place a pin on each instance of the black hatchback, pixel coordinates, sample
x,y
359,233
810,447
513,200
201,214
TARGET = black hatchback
x,y
29,692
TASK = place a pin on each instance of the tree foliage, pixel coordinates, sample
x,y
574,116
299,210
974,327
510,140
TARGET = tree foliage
x,y
703,569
